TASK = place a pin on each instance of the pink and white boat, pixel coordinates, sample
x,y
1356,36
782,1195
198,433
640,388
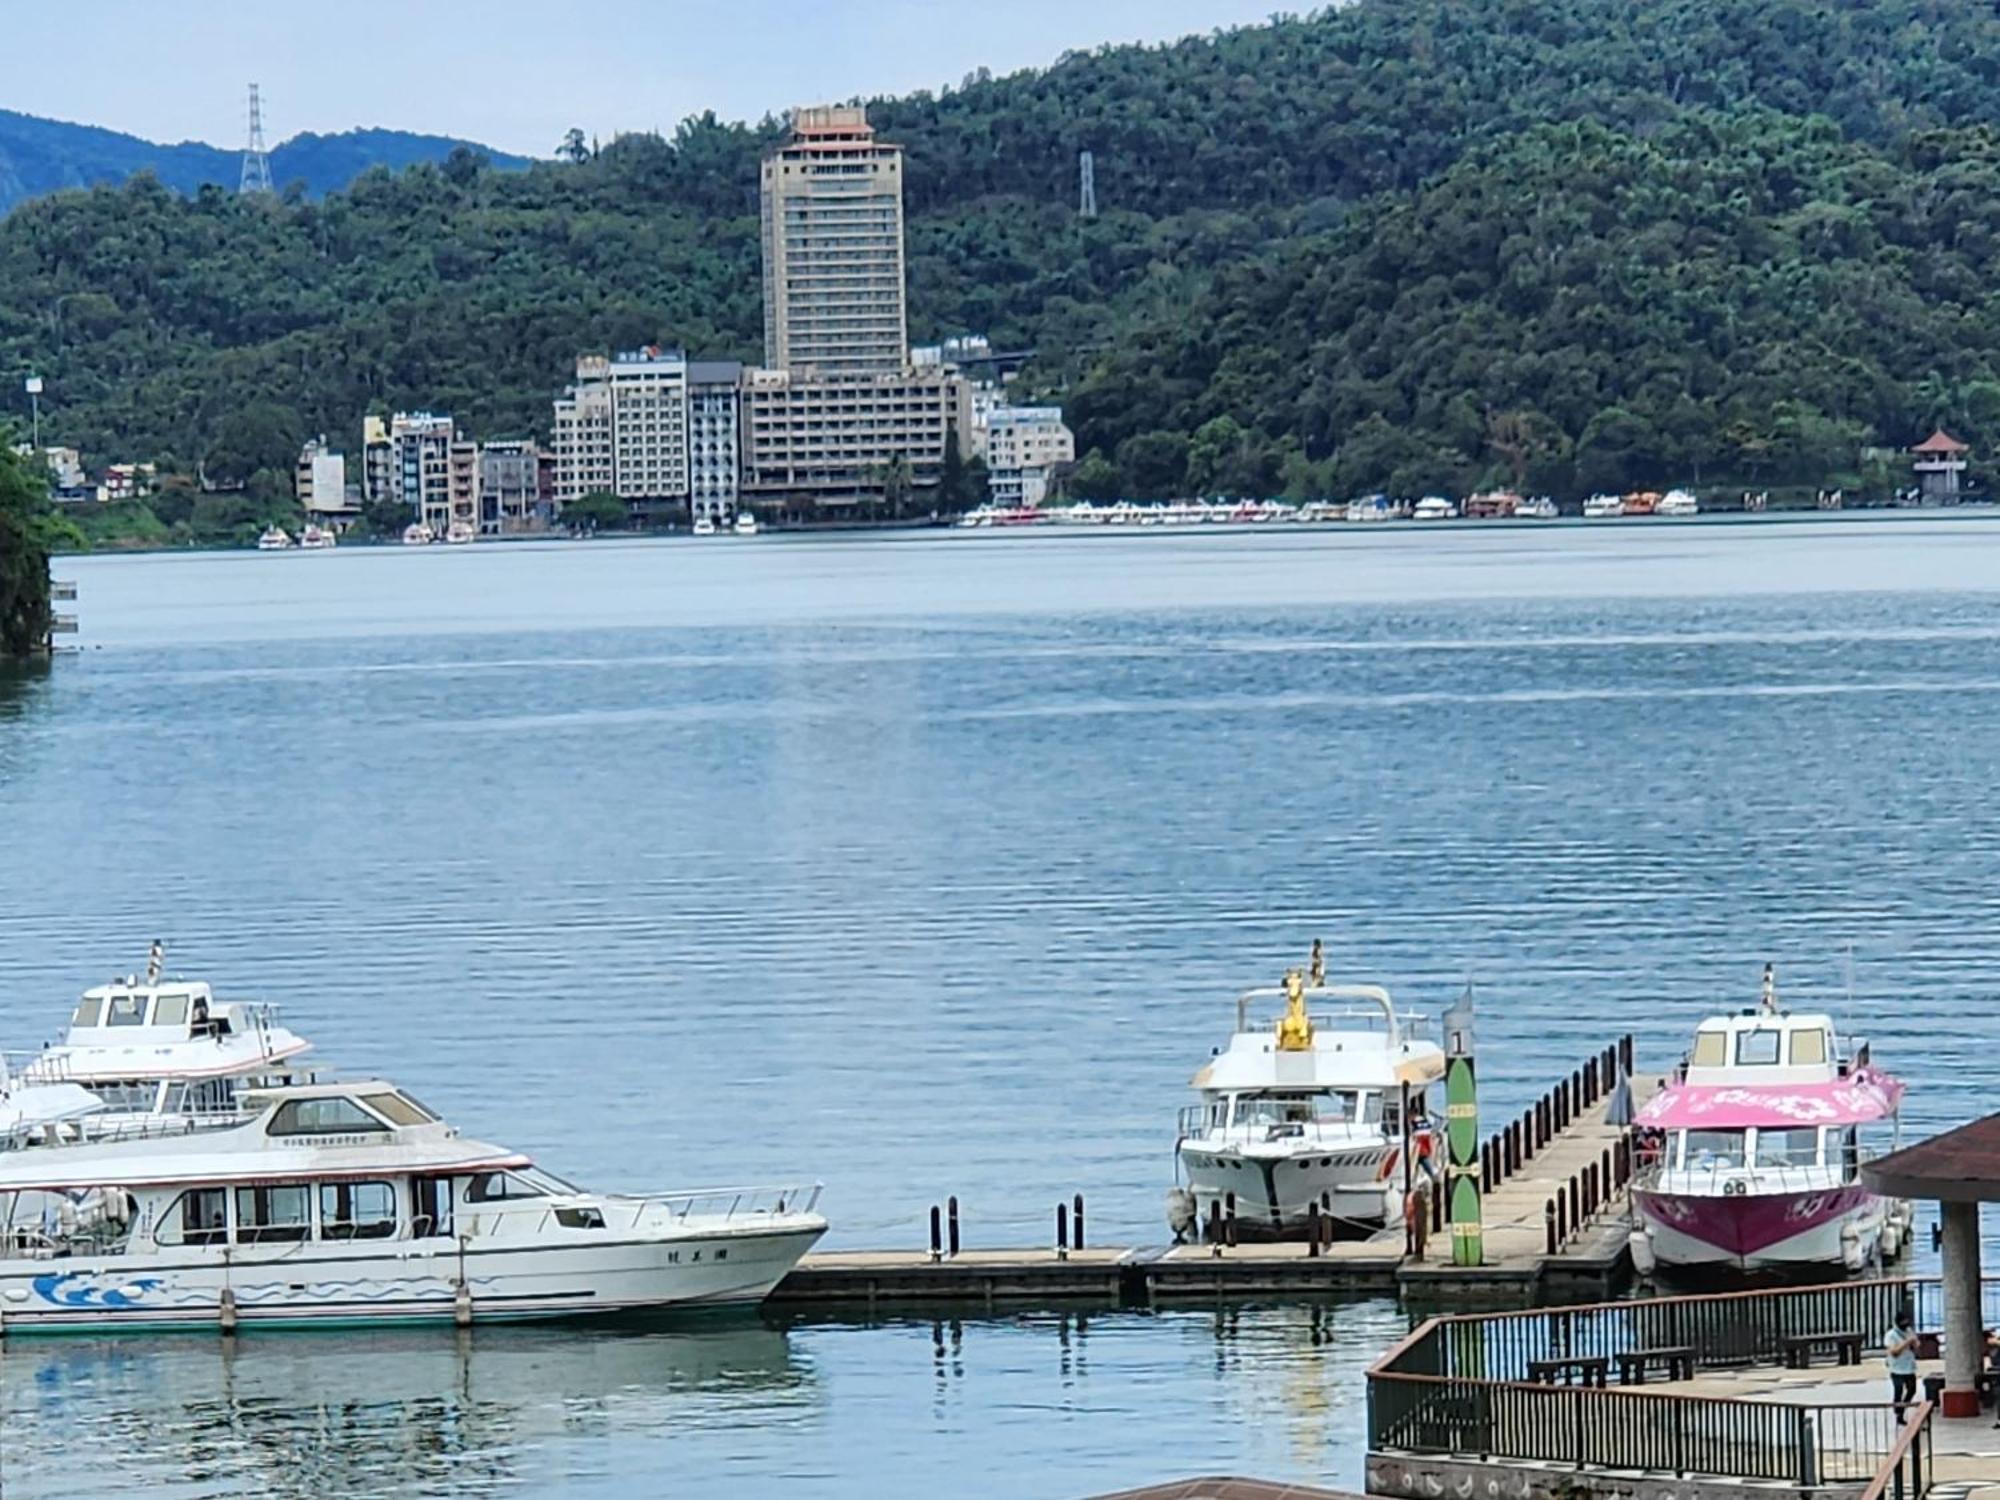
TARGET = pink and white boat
x,y
1756,1151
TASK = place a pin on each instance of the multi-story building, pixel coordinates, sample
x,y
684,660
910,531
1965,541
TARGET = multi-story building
x,y
714,437
649,430
1023,446
836,439
65,465
378,462
420,445
832,207
510,492
581,444
461,513
320,481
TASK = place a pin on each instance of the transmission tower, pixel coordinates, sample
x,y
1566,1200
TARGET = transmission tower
x,y
1086,173
256,160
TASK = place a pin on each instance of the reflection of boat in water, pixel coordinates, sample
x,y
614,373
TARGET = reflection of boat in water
x,y
393,1412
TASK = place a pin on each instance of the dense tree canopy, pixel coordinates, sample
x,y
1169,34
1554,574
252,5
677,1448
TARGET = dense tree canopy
x,y
1406,244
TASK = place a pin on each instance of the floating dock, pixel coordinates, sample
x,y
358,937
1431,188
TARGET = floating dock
x,y
1556,1216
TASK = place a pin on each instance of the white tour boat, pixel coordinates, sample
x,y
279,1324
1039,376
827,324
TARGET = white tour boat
x,y
1756,1151
703,526
350,1203
458,533
1537,508
745,524
1603,507
417,534
316,539
1307,1110
1434,508
274,539
1678,503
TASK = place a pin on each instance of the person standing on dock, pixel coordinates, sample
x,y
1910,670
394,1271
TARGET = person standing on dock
x,y
1901,1344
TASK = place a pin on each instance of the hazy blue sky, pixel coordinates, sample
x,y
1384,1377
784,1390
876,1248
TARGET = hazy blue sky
x,y
516,74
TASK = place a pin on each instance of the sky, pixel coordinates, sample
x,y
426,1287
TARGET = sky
x,y
516,74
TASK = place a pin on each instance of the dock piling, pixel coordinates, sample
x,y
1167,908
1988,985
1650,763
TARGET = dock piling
x,y
937,1235
1076,1222
952,1207
1312,1230
1062,1231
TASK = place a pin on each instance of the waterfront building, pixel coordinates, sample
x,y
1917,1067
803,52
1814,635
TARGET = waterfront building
x,y
378,462
461,511
649,430
714,437
420,445
67,481
832,217
1024,448
510,489
320,482
582,433
834,439
1940,466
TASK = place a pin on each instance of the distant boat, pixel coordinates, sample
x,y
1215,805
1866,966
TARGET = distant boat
x,y
418,535
1435,508
458,534
1600,507
274,539
704,527
746,524
1678,503
316,538
1540,508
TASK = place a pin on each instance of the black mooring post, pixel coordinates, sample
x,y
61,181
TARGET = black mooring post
x,y
951,1223
1062,1231
937,1236
1076,1222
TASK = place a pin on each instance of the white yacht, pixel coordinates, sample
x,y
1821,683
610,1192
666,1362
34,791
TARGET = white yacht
x,y
1307,1110
458,533
745,524
1751,1157
1536,508
1434,508
1603,507
274,539
703,526
1678,503
417,534
316,538
329,1204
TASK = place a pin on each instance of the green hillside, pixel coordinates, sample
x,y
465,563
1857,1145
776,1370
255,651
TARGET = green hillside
x,y
1410,243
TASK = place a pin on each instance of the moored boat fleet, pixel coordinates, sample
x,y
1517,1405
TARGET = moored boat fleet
x,y
172,1165
1485,505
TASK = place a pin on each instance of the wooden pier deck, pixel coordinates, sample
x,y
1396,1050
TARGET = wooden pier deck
x,y
1594,1261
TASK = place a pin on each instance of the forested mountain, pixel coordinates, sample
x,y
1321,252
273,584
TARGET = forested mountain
x,y
42,156
1419,243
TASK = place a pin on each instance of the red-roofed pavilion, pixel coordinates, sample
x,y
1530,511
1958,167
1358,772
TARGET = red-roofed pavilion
x,y
1940,461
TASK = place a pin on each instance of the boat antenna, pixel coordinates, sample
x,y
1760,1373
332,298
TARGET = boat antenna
x,y
155,960
1769,1002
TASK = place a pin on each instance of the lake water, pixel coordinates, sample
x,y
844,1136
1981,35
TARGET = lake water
x,y
929,865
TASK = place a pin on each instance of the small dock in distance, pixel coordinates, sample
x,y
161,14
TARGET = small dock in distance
x,y
1582,1159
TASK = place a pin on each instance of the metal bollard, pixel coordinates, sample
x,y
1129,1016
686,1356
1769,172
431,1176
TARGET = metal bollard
x,y
951,1224
1549,1241
1575,1203
1076,1222
937,1233
1229,1222
1062,1231
1312,1230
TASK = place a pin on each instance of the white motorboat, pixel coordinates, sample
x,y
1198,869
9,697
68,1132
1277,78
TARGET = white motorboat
x,y
1537,508
1434,508
1603,507
1678,503
458,533
316,538
418,535
745,524
335,1204
703,526
1306,1111
274,539
1751,1157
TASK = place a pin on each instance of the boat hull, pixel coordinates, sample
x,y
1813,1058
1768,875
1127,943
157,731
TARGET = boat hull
x,y
1273,1194
398,1282
1838,1228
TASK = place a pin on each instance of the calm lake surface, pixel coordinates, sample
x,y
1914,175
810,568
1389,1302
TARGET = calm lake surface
x,y
929,865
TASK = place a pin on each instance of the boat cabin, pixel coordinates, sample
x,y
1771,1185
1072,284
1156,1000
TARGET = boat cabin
x,y
131,1013
1760,1048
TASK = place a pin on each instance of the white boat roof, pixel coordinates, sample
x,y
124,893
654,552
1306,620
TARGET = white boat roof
x,y
269,1145
1764,1047
129,1030
1344,1054
25,1106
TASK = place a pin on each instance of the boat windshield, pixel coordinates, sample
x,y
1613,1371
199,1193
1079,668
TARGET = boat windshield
x,y
1713,1150
1795,1147
1322,1107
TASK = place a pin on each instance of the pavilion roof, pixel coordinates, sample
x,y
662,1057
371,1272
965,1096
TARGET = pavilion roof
x,y
1941,441
1960,1166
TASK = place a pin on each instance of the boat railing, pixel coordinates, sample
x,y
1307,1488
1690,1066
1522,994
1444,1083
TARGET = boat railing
x,y
34,1067
695,1207
1727,1180
95,1130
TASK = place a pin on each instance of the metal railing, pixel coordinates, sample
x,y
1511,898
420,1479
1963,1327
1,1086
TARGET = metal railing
x,y
1464,1386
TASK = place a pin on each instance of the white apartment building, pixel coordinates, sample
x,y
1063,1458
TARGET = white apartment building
x,y
321,482
832,221
420,445
1022,446
829,437
582,437
714,437
649,429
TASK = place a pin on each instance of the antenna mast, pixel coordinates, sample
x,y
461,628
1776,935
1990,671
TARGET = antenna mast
x,y
256,160
1086,174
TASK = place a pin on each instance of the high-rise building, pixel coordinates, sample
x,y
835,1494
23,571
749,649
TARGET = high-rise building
x,y
582,438
649,417
378,462
714,437
420,445
833,247
461,515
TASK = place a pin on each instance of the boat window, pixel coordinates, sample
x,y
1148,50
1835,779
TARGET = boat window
x,y
498,1187
432,1198
1713,1150
548,1182
356,1210
1796,1147
87,1012
170,1010
1757,1048
331,1116
275,1213
200,1216
1808,1048
126,1010
396,1109
1371,1108
1711,1049
128,1096
584,1218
